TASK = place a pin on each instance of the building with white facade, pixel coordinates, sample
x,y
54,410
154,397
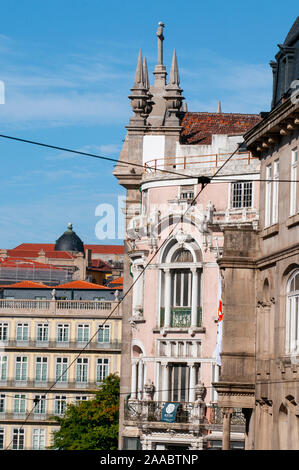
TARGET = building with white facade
x,y
170,267
53,351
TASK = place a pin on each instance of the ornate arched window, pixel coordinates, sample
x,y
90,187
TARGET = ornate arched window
x,y
180,284
292,317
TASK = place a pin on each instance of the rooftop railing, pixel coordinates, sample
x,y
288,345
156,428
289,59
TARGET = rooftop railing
x,y
60,306
188,161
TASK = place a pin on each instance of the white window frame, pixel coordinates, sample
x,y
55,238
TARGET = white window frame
x,y
82,370
61,369
42,328
3,367
4,331
102,369
292,318
268,192
242,190
293,185
21,372
3,401
80,398
22,331
40,407
38,438
176,392
63,332
103,332
83,332
19,406
2,438
41,362
275,192
20,440
60,404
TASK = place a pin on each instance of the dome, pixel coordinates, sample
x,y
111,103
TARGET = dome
x,y
69,241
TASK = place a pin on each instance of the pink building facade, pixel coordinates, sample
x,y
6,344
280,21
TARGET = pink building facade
x,y
174,237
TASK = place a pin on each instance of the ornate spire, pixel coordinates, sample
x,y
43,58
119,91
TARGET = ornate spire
x,y
139,77
174,78
149,103
139,95
173,94
145,74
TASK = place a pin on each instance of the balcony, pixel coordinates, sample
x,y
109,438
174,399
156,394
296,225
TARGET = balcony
x,y
190,162
61,386
57,345
210,417
180,317
65,307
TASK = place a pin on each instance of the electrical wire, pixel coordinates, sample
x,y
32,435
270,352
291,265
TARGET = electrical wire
x,y
138,165
208,180
134,282
93,392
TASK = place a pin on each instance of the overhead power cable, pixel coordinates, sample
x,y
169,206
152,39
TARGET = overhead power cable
x,y
205,181
138,165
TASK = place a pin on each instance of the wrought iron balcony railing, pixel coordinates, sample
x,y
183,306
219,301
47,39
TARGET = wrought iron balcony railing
x,y
187,412
180,317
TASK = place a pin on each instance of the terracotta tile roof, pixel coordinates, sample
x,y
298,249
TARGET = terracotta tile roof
x,y
49,247
119,280
106,249
18,262
198,128
100,265
80,285
32,253
35,246
27,285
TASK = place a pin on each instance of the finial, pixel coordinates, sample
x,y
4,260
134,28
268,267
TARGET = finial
x,y
70,226
174,78
160,42
219,107
145,75
139,78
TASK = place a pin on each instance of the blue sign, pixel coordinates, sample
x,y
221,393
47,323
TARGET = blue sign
x,y
169,412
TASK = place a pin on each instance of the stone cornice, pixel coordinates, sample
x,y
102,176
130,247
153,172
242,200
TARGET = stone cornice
x,y
271,123
277,255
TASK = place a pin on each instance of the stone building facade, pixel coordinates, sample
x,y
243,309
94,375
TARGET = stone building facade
x,y
42,366
171,274
260,356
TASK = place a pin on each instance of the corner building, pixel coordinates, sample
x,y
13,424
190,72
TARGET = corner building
x,y
171,273
260,353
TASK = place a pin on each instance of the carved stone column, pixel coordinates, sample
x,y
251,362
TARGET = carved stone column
x,y
167,297
194,305
134,380
226,414
165,384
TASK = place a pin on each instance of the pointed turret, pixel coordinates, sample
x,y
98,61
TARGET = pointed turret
x,y
174,78
173,94
219,107
145,74
139,95
139,76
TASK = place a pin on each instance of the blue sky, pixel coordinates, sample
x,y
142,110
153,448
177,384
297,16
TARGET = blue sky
x,y
68,67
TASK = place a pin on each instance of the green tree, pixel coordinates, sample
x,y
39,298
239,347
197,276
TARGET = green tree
x,y
91,424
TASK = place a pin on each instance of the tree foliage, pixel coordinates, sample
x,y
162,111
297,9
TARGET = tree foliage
x,y
91,424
